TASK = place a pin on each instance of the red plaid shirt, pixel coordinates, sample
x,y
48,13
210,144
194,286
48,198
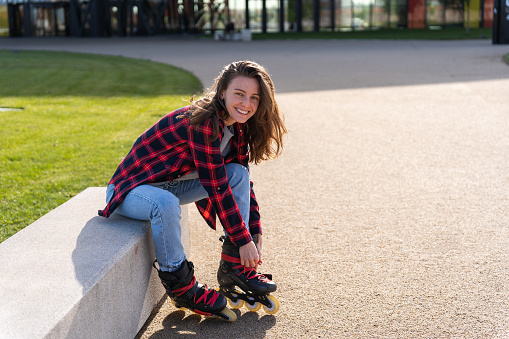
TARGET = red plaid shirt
x,y
172,148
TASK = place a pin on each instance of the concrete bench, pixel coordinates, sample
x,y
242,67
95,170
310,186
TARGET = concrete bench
x,y
73,274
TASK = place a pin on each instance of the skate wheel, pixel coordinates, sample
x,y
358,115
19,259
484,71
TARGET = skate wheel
x,y
236,304
253,308
275,305
228,315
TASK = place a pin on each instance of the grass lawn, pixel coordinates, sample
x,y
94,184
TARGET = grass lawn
x,y
80,115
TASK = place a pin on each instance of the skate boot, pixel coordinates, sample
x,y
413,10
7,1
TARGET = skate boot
x,y
186,292
256,286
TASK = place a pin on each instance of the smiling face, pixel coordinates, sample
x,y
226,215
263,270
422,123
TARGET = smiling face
x,y
241,99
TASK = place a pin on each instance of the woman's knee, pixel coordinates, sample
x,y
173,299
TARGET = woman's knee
x,y
237,174
147,202
165,205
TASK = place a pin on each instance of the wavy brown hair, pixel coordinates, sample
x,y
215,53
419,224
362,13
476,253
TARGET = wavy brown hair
x,y
265,129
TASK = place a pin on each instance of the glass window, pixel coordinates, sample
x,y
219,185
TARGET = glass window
x,y
325,14
307,15
398,14
290,18
237,13
361,14
42,19
255,15
272,15
454,12
435,12
343,14
201,16
380,13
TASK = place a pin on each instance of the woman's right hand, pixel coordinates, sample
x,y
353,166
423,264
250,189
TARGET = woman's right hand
x,y
249,255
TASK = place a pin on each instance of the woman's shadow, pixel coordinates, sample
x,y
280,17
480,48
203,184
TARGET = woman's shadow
x,y
180,323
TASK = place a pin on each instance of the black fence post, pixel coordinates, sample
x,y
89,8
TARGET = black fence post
x,y
248,25
298,15
93,18
316,15
14,20
75,18
281,16
27,19
332,15
500,22
121,18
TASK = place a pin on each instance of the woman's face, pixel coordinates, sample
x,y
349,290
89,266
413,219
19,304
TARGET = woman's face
x,y
241,99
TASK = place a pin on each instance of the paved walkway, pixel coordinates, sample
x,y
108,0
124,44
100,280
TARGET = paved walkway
x,y
387,215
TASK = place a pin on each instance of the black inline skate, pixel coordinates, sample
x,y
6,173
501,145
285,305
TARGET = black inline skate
x,y
255,285
186,292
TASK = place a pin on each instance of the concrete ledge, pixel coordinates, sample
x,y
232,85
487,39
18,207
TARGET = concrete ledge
x,y
73,274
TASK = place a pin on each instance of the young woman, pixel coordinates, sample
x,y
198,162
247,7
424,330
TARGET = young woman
x,y
200,153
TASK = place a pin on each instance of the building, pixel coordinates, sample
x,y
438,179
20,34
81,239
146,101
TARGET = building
x,y
150,17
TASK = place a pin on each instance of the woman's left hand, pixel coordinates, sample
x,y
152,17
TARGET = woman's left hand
x,y
249,255
258,244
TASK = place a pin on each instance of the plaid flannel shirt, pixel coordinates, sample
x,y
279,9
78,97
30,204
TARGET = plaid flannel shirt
x,y
172,148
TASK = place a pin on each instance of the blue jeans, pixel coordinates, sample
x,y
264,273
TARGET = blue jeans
x,y
161,205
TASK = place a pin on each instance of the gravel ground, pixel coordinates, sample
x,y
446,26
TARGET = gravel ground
x,y
386,216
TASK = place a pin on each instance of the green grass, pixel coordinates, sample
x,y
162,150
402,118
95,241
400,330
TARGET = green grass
x,y
506,58
81,114
449,33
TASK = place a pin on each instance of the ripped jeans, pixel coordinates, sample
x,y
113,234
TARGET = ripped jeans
x,y
160,203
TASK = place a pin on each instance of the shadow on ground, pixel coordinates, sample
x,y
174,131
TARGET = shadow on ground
x,y
187,324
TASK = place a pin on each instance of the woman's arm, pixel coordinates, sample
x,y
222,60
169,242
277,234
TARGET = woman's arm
x,y
212,173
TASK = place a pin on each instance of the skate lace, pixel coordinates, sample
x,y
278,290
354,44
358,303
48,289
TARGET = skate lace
x,y
249,271
206,292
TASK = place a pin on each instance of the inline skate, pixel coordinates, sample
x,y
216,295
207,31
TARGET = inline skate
x,y
255,286
186,292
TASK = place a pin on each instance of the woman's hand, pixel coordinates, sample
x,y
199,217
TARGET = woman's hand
x,y
249,255
257,238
